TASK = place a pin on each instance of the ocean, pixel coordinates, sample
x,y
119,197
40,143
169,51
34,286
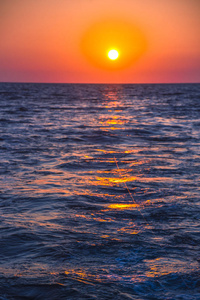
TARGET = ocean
x,y
99,191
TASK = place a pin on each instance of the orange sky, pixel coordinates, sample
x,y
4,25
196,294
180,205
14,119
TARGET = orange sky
x,y
68,40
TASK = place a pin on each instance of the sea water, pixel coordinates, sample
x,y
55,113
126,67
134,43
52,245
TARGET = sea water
x,y
99,192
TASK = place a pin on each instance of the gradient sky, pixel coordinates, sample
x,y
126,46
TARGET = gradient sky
x,y
67,40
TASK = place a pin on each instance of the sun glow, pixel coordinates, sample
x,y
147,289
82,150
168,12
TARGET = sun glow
x,y
106,37
113,54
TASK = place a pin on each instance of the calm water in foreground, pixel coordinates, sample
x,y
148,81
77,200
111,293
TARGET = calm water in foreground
x,y
99,192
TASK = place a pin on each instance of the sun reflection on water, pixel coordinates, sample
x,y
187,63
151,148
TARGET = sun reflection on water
x,y
100,276
123,206
112,181
162,266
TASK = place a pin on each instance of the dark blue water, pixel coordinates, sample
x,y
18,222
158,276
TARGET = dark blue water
x,y
99,191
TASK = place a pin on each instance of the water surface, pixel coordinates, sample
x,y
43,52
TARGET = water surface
x,y
99,191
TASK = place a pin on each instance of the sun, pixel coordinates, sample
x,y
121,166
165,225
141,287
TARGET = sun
x,y
113,54
113,45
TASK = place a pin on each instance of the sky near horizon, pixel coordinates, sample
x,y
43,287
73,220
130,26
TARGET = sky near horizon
x,y
68,41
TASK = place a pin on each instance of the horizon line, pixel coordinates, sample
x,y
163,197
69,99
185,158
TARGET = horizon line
x,y
99,83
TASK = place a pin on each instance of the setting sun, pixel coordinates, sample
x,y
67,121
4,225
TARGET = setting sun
x,y
100,43
113,54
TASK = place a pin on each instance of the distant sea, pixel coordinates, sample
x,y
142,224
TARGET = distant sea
x,y
99,192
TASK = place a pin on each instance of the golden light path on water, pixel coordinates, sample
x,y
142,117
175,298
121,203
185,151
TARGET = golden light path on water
x,y
117,176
